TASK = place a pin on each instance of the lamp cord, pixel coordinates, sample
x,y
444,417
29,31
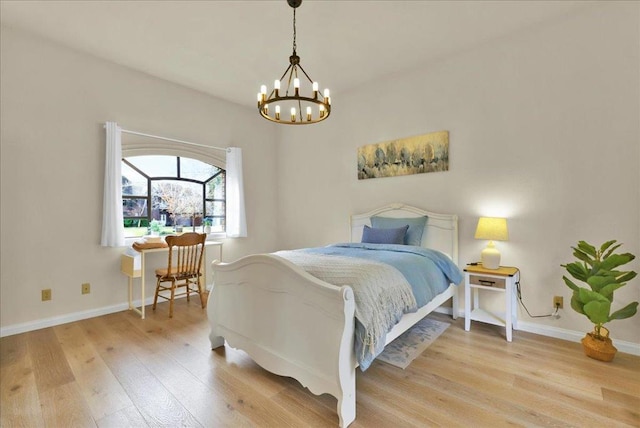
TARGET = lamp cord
x,y
519,295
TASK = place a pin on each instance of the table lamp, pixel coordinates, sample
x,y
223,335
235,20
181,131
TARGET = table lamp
x,y
493,229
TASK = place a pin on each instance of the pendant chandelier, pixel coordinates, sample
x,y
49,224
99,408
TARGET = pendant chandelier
x,y
290,107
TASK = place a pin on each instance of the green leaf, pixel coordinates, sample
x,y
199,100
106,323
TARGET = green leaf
x,y
577,270
581,255
587,296
570,284
609,289
587,248
598,311
576,304
626,312
611,250
628,276
616,260
597,282
595,268
606,245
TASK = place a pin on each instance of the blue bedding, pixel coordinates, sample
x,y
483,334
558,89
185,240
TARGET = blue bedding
x,y
429,272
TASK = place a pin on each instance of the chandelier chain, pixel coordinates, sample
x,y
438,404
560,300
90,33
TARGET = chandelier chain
x,y
294,31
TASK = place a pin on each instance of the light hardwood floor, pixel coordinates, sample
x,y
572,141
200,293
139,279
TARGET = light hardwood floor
x,y
118,370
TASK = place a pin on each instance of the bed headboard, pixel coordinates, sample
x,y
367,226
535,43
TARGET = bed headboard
x,y
440,231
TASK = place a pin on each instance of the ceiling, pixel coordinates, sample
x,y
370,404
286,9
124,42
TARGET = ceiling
x,y
228,48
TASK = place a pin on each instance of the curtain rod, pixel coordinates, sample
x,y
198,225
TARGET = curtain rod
x,y
172,139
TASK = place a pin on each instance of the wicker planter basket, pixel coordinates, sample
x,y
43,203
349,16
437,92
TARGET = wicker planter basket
x,y
601,349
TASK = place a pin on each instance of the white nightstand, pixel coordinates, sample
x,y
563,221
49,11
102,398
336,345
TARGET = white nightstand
x,y
501,280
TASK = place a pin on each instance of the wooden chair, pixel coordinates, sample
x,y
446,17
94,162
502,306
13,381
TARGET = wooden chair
x,y
183,269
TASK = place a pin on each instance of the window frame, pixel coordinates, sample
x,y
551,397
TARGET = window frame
x,y
141,147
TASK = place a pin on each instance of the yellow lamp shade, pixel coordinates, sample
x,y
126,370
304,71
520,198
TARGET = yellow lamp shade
x,y
492,228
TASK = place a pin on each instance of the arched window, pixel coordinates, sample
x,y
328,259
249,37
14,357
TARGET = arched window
x,y
179,192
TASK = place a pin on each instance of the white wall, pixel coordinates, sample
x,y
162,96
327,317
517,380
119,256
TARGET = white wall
x,y
544,130
54,102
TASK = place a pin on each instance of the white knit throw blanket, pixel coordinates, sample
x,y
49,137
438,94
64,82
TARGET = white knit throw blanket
x,y
382,294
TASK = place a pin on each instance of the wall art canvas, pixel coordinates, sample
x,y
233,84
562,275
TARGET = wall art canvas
x,y
405,156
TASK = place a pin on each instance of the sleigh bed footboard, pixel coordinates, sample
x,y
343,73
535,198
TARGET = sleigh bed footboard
x,y
289,322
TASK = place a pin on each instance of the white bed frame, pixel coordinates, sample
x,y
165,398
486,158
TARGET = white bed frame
x,y
296,325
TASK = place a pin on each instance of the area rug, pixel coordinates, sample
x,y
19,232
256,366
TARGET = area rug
x,y
410,344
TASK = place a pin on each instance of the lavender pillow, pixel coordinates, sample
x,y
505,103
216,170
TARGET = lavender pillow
x,y
384,236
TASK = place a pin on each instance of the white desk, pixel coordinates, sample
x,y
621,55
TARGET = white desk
x,y
130,267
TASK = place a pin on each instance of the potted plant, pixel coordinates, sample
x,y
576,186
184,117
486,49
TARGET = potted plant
x,y
207,225
155,227
598,269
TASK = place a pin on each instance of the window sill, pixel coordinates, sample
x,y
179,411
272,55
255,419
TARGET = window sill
x,y
213,236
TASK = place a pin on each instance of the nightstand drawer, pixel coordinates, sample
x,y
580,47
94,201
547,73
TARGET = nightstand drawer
x,y
487,281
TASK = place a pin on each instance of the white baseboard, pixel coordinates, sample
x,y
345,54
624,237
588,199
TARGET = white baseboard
x,y
559,333
544,330
574,336
63,319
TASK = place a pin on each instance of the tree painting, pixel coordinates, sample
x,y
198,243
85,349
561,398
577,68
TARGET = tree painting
x,y
412,155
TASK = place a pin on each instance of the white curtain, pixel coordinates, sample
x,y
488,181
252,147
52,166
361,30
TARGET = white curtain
x,y
112,231
236,220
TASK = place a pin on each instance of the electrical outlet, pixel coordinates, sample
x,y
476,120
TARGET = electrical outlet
x,y
558,302
46,294
86,288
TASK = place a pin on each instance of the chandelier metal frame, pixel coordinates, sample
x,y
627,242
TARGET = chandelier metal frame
x,y
296,116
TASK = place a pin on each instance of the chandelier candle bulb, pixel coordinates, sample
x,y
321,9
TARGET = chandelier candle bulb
x,y
321,108
263,93
293,114
309,114
276,88
277,112
315,89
